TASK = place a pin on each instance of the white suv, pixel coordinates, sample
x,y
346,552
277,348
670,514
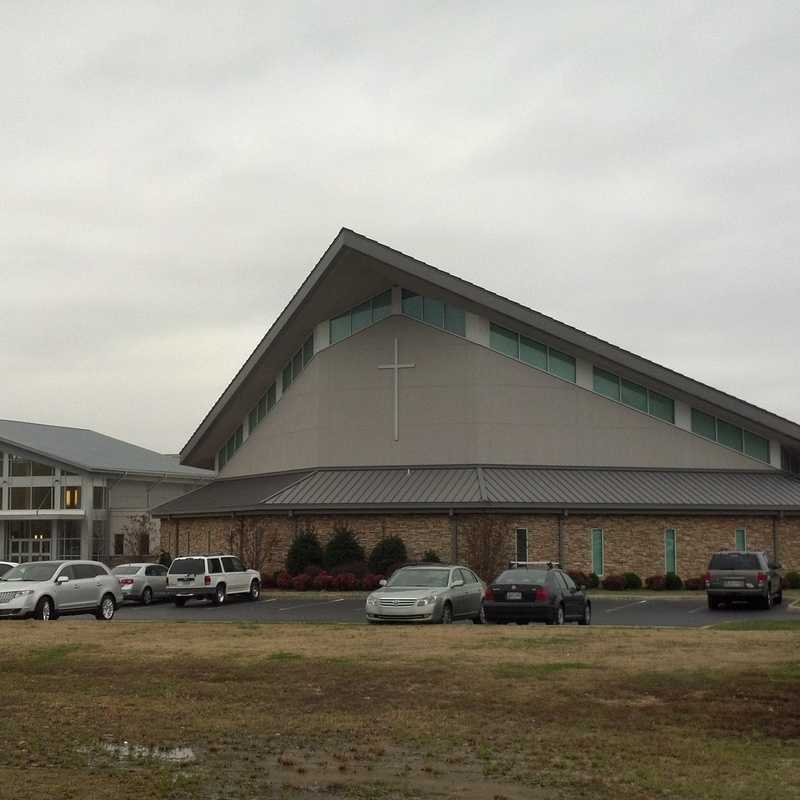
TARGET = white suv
x,y
213,577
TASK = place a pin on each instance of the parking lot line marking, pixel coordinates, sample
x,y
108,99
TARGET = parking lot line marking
x,y
627,605
270,600
695,610
310,605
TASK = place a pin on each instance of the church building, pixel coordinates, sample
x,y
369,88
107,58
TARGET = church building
x,y
396,398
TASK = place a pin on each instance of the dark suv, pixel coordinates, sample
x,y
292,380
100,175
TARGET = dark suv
x,y
750,576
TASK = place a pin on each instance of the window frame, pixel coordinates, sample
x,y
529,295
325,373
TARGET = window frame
x,y
743,532
602,534
671,532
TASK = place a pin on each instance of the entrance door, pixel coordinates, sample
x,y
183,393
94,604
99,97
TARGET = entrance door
x,y
29,541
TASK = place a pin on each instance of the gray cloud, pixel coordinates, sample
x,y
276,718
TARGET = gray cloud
x,y
169,175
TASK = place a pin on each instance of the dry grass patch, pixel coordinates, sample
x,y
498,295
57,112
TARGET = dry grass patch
x,y
354,711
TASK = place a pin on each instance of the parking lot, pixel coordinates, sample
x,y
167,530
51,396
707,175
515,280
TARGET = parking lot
x,y
685,612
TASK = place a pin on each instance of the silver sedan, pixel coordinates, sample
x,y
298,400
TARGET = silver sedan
x,y
143,582
428,593
48,589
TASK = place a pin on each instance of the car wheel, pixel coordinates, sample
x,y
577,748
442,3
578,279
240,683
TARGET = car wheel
x,y
713,603
180,602
558,617
779,597
147,596
481,618
219,595
44,610
255,590
106,609
766,602
447,614
586,619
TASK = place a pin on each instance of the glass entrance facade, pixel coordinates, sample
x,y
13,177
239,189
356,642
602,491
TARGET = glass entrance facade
x,y
29,540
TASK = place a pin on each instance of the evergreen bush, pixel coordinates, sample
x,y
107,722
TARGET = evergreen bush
x,y
304,552
387,554
342,548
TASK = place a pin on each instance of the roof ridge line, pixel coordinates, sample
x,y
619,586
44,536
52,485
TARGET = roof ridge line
x,y
300,480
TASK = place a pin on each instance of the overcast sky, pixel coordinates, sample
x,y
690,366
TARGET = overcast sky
x,y
170,173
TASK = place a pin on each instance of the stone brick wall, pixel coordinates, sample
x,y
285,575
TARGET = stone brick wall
x,y
632,542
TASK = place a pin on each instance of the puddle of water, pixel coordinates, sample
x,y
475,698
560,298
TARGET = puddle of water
x,y
173,755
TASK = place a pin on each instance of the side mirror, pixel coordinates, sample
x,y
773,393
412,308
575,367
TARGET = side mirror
x,y
582,587
457,583
62,579
382,582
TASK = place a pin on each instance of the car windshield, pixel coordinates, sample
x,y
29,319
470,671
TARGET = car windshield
x,y
41,571
5,568
529,576
188,566
734,561
434,578
125,569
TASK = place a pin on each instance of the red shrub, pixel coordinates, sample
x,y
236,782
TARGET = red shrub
x,y
300,583
267,580
580,578
371,582
322,582
312,570
283,580
615,582
347,582
656,582
695,584
357,568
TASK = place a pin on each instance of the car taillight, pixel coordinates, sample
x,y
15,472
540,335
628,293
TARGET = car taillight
x,y
125,581
761,577
707,579
207,580
542,595
488,595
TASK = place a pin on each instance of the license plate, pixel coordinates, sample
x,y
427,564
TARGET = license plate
x,y
513,595
734,583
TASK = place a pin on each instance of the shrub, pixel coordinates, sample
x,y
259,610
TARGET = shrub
x,y
342,548
371,582
632,580
672,581
346,582
312,570
594,580
615,582
165,559
792,580
322,582
656,582
431,556
695,584
357,568
305,551
387,552
268,580
283,580
300,583
584,579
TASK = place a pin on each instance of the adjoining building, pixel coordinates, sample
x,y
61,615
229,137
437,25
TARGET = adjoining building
x,y
398,398
74,493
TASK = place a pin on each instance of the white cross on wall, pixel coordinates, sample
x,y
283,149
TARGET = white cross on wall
x,y
397,366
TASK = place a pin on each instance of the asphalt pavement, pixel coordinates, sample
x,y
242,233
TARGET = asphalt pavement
x,y
689,612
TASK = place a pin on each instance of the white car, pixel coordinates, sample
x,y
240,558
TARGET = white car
x,y
47,590
5,566
211,577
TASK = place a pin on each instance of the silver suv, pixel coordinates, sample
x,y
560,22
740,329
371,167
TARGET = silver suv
x,y
47,590
746,575
211,577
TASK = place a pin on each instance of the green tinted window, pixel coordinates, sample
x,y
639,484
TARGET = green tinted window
x,y
606,383
741,539
382,306
340,328
756,446
670,552
662,406
455,320
433,311
221,458
252,419
361,317
308,350
239,437
729,435
271,397
297,364
634,395
562,365
533,353
504,341
598,551
412,304
704,424
287,376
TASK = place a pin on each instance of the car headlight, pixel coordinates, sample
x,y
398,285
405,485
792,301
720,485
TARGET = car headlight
x,y
23,593
426,601
372,600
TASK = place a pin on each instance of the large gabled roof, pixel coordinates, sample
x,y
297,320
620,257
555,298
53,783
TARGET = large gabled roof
x,y
348,240
476,488
91,451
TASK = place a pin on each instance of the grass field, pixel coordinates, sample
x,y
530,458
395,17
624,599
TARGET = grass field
x,y
337,711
